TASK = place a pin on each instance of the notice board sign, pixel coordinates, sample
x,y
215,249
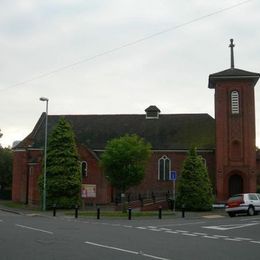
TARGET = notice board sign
x,y
88,191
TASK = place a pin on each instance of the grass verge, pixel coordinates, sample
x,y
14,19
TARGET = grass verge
x,y
16,205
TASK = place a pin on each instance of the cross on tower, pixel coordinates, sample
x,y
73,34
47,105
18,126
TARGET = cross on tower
x,y
232,45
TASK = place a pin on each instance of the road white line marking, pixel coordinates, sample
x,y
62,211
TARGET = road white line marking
x,y
243,238
154,229
184,224
256,242
200,234
126,251
212,237
141,227
232,239
35,229
164,229
154,257
220,236
127,226
232,226
189,234
172,232
182,231
249,219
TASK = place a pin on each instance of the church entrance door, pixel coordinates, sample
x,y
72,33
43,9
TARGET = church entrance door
x,y
235,184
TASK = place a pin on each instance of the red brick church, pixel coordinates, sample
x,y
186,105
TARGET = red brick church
x,y
227,144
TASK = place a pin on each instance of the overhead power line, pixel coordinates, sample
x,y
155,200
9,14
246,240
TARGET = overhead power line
x,y
87,59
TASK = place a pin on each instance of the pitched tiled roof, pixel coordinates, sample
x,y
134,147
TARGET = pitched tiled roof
x,y
152,108
169,132
232,74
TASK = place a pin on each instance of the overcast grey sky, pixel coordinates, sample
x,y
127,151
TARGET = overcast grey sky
x,y
119,56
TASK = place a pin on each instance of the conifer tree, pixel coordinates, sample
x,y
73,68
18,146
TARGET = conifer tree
x,y
194,187
6,163
63,170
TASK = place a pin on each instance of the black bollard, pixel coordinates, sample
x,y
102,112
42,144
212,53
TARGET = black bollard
x,y
183,210
98,213
160,212
76,211
54,210
129,213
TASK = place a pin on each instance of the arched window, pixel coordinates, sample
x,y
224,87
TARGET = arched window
x,y
164,168
84,169
204,162
235,102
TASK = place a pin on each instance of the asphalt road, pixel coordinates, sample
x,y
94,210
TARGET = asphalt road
x,y
40,237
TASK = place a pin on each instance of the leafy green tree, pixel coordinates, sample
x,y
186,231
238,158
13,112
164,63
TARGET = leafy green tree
x,y
124,161
63,181
6,162
194,187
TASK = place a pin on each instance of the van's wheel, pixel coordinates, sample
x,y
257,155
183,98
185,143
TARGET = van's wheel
x,y
251,211
231,214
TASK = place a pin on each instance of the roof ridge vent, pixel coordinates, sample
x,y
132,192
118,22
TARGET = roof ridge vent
x,y
152,112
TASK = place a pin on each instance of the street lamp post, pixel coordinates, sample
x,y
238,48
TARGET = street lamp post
x,y
45,152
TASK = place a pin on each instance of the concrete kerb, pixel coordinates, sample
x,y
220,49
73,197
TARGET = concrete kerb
x,y
215,213
10,210
21,211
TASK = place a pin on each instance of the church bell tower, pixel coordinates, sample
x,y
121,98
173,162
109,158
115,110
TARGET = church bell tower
x,y
235,129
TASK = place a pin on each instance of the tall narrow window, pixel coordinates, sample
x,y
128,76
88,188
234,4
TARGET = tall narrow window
x,y
164,167
235,102
204,162
84,169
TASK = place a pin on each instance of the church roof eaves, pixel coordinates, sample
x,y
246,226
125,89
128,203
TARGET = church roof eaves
x,y
232,74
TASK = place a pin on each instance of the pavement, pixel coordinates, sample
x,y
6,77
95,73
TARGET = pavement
x,y
218,212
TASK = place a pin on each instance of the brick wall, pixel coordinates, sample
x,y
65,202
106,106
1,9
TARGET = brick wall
x,y
95,176
19,183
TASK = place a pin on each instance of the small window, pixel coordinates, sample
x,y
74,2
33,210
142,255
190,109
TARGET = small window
x,y
31,170
84,169
235,102
164,168
152,112
204,162
252,197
